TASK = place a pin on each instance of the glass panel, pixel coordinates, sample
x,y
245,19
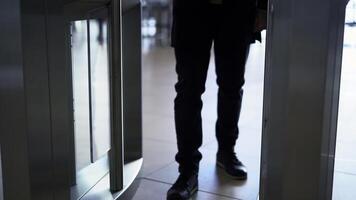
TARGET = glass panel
x,y
81,93
345,157
100,87
1,187
91,96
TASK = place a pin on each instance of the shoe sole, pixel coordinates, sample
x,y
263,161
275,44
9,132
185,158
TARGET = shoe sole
x,y
240,178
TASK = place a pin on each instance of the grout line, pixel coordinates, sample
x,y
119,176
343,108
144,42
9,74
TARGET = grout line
x,y
345,160
220,195
156,170
155,180
92,187
347,173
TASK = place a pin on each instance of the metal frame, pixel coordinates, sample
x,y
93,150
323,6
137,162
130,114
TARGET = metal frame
x,y
33,105
116,153
132,80
90,94
12,101
302,79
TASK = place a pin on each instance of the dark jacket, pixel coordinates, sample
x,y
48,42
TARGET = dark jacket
x,y
261,4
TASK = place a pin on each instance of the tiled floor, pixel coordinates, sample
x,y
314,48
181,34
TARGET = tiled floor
x,y
160,169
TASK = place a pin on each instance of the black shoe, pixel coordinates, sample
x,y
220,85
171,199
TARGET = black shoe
x,y
232,165
184,188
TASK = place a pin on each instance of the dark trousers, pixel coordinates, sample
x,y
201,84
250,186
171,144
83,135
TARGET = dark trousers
x,y
197,27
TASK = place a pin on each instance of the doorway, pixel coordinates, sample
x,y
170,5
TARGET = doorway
x,y
159,78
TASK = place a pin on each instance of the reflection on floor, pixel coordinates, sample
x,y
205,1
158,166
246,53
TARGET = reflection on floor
x,y
160,169
345,163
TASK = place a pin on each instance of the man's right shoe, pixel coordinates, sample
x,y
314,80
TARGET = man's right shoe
x,y
184,188
232,165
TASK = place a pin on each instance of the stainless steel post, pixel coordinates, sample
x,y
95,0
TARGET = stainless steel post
x,y
303,64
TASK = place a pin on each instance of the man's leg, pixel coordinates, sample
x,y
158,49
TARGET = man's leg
x,y
231,50
192,43
192,66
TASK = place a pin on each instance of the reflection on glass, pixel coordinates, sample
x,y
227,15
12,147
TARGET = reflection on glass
x,y
100,89
1,185
81,94
91,90
345,157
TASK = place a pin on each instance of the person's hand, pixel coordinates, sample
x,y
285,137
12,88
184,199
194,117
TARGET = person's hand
x,y
261,20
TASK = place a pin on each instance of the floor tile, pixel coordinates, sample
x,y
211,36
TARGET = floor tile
x,y
248,143
344,186
346,165
159,128
213,179
156,155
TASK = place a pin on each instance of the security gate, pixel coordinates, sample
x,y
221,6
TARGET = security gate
x,y
70,98
303,68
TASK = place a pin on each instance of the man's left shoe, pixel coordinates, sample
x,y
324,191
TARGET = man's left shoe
x,y
184,188
232,165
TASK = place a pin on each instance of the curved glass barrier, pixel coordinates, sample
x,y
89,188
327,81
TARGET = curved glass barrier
x,y
81,111
91,99
100,87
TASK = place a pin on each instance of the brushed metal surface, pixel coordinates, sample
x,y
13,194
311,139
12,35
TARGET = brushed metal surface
x,y
303,63
59,98
35,60
13,123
